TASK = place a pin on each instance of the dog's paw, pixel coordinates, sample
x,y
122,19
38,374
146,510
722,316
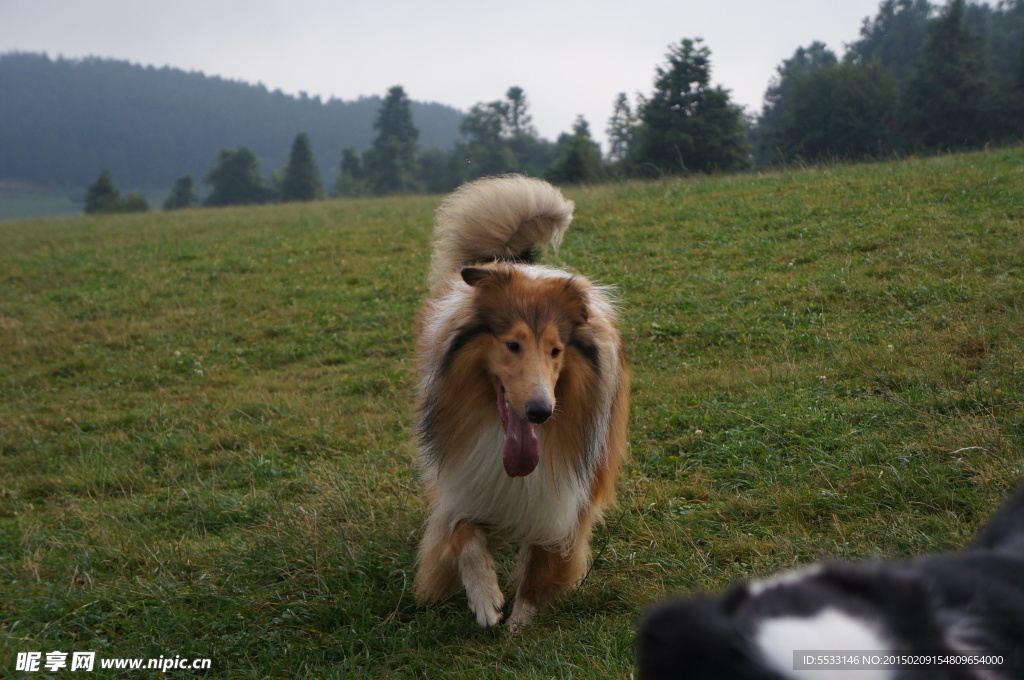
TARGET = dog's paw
x,y
476,567
486,605
522,614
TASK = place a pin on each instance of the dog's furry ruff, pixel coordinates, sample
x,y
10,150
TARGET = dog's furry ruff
x,y
491,227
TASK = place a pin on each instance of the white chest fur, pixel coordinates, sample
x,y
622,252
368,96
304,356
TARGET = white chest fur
x,y
542,508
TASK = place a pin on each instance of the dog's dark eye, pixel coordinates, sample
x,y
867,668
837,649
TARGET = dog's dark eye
x,y
513,347
555,352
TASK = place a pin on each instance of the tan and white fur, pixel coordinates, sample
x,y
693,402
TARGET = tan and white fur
x,y
522,402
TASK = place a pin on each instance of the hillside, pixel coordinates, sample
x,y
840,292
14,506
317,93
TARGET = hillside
x,y
205,415
62,121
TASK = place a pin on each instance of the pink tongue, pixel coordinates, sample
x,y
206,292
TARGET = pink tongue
x,y
522,451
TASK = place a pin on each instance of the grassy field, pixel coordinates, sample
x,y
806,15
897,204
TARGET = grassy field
x,y
205,417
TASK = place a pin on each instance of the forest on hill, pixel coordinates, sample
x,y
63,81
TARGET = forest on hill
x,y
920,78
62,121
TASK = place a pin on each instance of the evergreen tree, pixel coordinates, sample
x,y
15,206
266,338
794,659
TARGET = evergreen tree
x,y
517,120
893,38
183,194
301,181
770,145
530,153
621,129
351,181
580,157
1013,107
499,137
102,196
1003,27
236,180
687,125
134,202
390,163
841,111
439,171
486,150
947,100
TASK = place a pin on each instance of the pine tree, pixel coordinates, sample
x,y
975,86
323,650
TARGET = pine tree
x,y
771,145
531,154
946,100
893,38
486,149
621,129
134,202
351,181
236,179
517,119
843,111
1003,27
580,157
102,196
687,125
183,194
390,163
301,180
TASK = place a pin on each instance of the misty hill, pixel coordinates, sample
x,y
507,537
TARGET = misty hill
x,y
63,121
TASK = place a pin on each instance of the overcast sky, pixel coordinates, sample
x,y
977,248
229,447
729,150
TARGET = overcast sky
x,y
570,57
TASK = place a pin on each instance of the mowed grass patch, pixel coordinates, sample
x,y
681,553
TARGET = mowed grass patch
x,y
205,425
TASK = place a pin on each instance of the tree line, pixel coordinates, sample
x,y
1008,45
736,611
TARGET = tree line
x,y
685,125
496,137
919,79
234,180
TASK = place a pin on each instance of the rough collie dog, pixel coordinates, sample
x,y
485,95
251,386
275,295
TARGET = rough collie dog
x,y
928,615
522,401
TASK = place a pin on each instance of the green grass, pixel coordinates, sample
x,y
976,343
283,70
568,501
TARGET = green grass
x,y
205,418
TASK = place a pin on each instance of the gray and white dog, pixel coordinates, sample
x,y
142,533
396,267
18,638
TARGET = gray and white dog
x,y
901,620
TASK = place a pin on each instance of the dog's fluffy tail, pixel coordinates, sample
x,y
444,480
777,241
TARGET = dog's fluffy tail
x,y
497,218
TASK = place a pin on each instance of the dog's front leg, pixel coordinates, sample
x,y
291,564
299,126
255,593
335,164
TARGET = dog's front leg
x,y
543,573
461,554
476,569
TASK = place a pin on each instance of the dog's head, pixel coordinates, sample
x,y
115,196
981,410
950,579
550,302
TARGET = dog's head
x,y
698,638
533,323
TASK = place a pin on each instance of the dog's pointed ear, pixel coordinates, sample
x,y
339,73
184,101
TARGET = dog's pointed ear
x,y
474,275
576,300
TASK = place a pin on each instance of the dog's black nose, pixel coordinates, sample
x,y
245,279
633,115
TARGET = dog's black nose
x,y
537,411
